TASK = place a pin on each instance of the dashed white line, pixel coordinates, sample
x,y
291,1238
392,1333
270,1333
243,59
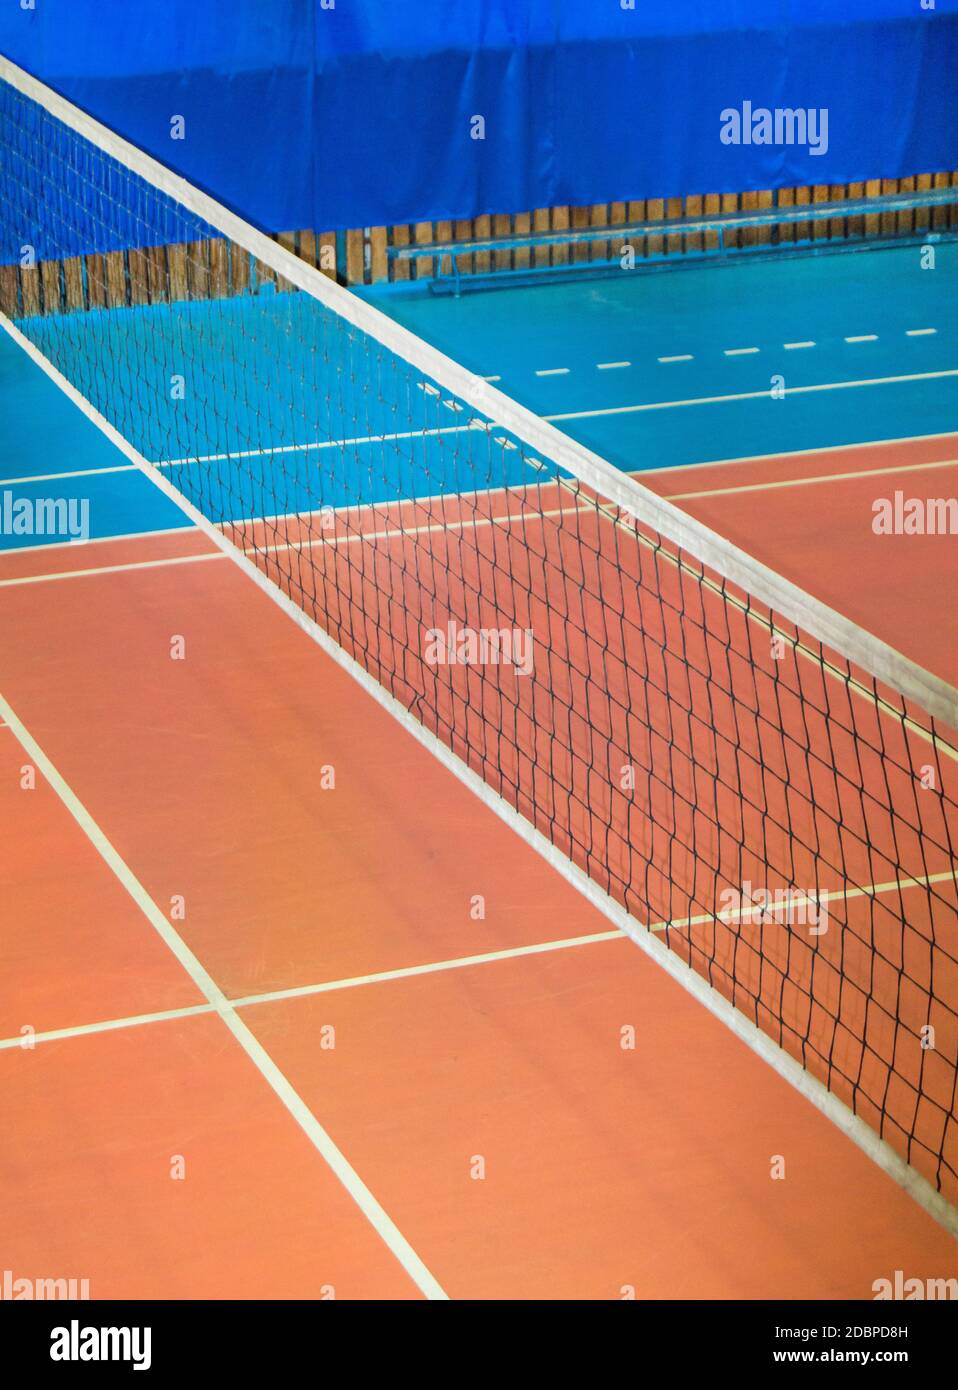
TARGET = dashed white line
x,y
611,366
861,338
739,352
791,347
680,357
919,332
552,371
492,378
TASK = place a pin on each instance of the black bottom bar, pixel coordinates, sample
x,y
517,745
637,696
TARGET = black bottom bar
x,y
161,1339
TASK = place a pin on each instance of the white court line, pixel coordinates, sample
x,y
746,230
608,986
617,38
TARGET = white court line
x,y
440,496
74,473
306,448
111,569
678,357
740,352
669,468
919,332
861,338
771,484
897,885
100,540
106,1025
800,453
611,366
523,513
424,529
431,968
326,987
552,371
566,415
750,395
794,347
218,1002
458,963
492,378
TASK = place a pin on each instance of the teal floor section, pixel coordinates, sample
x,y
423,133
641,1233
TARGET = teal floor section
x,y
665,412
44,439
863,344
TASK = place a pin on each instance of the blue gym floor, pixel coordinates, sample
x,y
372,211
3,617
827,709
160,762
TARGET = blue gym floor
x,y
649,370
709,321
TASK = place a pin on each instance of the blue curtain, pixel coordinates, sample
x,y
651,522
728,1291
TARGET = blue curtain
x,y
297,114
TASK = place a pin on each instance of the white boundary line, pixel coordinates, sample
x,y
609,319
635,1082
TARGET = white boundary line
x,y
520,488
590,414
800,453
815,617
741,396
219,1004
306,991
303,448
453,963
94,540
106,1025
773,483
20,580
786,1067
315,445
73,473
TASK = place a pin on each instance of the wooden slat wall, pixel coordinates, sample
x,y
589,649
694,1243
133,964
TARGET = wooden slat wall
x,y
653,209
30,291
216,269
355,247
212,269
9,291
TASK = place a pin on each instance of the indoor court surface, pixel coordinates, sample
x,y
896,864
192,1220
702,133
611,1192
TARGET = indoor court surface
x,y
306,911
478,670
